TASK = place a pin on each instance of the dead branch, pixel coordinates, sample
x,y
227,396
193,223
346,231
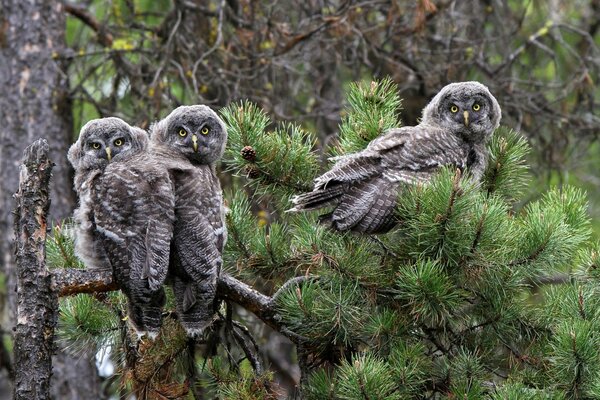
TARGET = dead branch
x,y
37,303
69,282
104,37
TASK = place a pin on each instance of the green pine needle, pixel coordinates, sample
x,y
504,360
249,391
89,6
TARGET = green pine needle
x,y
575,361
278,162
518,391
366,377
373,109
330,313
506,174
86,323
427,292
321,385
60,246
411,367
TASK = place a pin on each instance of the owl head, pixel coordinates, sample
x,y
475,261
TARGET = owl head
x,y
105,140
195,131
465,108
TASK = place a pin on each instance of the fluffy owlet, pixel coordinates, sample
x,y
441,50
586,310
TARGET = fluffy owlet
x,y
125,215
188,143
363,187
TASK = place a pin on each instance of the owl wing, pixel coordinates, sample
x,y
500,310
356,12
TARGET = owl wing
x,y
199,233
423,151
134,214
364,186
350,169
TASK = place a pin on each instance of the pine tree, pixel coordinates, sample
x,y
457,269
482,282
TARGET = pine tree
x,y
457,302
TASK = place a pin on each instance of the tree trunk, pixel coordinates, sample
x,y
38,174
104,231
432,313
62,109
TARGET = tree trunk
x,y
35,103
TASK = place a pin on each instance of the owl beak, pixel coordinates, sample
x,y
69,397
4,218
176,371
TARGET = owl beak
x,y
108,153
195,143
466,116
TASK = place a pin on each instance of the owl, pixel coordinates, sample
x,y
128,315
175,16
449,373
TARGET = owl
x,y
188,143
363,187
125,216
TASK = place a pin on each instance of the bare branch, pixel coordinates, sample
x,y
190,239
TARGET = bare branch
x,y
104,37
37,303
69,282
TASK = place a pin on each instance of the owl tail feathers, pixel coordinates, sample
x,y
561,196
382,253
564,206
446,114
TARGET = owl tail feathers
x,y
197,319
144,313
189,298
367,208
195,306
318,198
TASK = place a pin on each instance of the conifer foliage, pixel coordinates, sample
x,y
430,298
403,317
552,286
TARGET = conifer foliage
x,y
454,303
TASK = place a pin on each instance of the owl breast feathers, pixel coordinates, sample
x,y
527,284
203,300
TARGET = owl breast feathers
x,y
363,187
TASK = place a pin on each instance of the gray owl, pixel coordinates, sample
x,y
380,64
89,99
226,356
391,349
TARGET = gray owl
x,y
125,215
363,187
188,143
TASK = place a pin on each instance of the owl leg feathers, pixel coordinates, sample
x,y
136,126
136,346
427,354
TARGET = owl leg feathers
x,y
145,310
195,304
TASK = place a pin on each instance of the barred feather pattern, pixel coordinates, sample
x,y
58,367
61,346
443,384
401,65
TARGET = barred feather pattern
x,y
125,215
88,246
198,239
188,143
133,206
363,187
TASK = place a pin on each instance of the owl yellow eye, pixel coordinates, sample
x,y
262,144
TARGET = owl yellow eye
x,y
476,107
118,142
182,132
204,131
453,108
95,146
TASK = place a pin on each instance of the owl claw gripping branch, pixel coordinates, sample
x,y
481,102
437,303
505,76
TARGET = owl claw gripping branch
x,y
362,188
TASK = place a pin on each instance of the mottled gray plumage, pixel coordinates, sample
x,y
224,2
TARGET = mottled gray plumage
x,y
125,214
188,143
363,187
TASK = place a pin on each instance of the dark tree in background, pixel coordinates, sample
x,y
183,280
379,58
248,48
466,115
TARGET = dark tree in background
x,y
35,103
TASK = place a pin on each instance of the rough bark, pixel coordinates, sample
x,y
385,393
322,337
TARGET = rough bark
x,y
35,103
37,303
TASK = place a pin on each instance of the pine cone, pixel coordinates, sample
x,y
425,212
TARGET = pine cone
x,y
252,171
248,153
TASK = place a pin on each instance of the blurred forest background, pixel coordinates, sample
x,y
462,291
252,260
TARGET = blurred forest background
x,y
63,63
139,59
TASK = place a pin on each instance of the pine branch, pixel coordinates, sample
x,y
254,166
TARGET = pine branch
x,y
443,219
73,281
